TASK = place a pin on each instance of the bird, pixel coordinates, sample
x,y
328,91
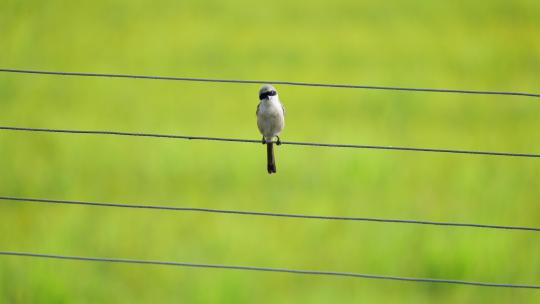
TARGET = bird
x,y
270,120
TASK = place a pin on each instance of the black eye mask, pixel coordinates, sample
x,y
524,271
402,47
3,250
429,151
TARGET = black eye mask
x,y
266,94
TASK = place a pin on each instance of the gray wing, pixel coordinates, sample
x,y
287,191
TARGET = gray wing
x,y
258,106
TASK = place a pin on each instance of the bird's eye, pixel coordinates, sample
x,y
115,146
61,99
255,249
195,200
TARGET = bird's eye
x,y
267,93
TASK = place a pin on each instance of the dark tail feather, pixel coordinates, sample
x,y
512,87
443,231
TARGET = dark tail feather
x,y
271,160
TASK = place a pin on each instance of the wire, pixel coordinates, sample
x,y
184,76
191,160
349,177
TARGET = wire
x,y
273,214
295,143
268,269
295,83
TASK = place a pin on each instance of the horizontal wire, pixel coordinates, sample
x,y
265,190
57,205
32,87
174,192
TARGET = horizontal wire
x,y
295,143
267,269
295,83
271,214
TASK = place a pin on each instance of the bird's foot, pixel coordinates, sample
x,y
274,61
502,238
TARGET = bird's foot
x,y
263,141
278,141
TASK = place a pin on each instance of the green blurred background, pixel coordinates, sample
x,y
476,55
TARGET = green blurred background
x,y
458,44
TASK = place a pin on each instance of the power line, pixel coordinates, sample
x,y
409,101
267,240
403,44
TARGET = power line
x,y
272,214
295,143
295,83
267,269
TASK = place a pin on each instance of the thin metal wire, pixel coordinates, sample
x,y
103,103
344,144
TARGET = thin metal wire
x,y
295,83
267,269
296,143
272,214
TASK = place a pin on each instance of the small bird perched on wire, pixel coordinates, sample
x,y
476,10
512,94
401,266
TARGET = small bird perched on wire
x,y
270,120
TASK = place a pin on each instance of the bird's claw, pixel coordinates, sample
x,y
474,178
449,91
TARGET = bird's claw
x,y
278,141
263,141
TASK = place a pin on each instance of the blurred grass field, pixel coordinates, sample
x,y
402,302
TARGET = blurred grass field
x,y
463,44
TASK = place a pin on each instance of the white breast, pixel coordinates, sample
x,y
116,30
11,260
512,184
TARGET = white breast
x,y
270,118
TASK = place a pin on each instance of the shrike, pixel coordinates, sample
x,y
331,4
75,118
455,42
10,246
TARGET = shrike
x,y
270,120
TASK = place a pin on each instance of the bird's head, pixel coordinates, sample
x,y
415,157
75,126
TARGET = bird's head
x,y
266,91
